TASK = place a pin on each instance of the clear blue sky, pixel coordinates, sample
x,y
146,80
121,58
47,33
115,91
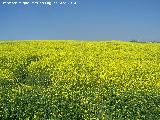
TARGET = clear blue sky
x,y
88,20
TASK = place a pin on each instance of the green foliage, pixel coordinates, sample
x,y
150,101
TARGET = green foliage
x,y
75,80
133,41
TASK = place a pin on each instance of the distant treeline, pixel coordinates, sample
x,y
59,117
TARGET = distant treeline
x,y
144,41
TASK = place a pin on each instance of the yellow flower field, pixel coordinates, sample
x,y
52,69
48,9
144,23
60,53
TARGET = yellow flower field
x,y
79,80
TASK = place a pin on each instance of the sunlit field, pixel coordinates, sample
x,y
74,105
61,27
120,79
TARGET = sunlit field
x,y
79,80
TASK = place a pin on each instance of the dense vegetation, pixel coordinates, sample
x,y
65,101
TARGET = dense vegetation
x,y
78,80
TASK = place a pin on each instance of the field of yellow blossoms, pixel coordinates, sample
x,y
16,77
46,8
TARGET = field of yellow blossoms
x,y
79,80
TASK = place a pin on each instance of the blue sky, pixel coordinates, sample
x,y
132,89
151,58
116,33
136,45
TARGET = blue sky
x,y
88,20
